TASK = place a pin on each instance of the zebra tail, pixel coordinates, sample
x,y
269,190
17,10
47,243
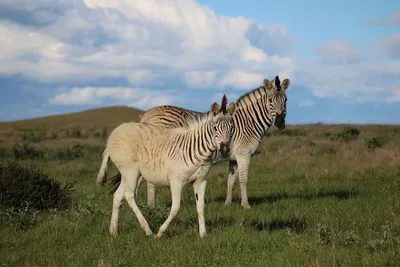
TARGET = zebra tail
x,y
114,183
102,176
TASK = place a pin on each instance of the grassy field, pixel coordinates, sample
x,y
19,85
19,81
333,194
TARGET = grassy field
x,y
321,195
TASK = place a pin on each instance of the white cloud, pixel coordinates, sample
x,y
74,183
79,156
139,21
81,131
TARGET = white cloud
x,y
164,44
231,98
242,80
306,103
390,46
138,97
338,51
393,20
200,78
144,42
361,82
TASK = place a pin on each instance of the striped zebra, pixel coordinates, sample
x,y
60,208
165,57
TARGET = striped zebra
x,y
164,156
256,111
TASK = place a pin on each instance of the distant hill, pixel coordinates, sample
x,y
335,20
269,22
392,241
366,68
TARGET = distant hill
x,y
92,118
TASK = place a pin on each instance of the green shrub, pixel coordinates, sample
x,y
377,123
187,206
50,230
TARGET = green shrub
x,y
104,133
70,153
28,186
348,134
4,153
34,137
286,132
376,142
23,151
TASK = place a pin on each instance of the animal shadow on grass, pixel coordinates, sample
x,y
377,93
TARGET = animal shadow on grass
x,y
340,194
292,223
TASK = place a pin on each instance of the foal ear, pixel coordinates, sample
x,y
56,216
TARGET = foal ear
x,y
267,85
285,84
232,108
215,108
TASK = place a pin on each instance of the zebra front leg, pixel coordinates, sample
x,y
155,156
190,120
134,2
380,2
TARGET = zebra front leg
x,y
176,190
243,169
199,188
151,191
231,181
117,202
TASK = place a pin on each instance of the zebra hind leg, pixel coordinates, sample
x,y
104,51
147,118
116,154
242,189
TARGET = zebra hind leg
x,y
231,181
151,193
243,169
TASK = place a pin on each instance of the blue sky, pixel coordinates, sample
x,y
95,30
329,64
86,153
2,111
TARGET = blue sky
x,y
342,57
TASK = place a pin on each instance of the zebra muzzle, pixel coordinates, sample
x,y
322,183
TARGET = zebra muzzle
x,y
280,122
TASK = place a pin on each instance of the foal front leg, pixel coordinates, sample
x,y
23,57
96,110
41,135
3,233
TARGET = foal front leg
x,y
176,190
199,187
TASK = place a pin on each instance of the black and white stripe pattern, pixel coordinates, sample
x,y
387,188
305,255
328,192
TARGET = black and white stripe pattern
x,y
255,112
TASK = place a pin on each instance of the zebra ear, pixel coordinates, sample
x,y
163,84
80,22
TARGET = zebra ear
x,y
215,109
232,108
224,102
276,82
285,84
267,85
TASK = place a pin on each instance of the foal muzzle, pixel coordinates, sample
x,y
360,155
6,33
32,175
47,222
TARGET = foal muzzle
x,y
224,149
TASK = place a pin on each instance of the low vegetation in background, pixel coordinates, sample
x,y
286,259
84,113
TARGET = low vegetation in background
x,y
321,195
26,190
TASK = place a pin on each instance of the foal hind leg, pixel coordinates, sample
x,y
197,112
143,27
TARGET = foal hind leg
x,y
117,202
131,177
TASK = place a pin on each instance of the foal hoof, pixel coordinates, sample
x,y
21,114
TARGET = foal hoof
x,y
247,206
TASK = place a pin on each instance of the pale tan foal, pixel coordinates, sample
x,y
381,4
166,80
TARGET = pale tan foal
x,y
164,156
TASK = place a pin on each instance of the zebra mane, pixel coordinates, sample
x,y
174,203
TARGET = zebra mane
x,y
251,96
194,122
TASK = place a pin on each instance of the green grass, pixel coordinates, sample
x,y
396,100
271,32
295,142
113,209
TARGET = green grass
x,y
316,201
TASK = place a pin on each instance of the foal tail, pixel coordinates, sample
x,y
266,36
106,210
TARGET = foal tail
x,y
102,176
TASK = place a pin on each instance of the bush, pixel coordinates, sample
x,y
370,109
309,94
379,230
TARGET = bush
x,y
23,151
4,153
23,187
376,142
286,132
34,137
70,153
348,134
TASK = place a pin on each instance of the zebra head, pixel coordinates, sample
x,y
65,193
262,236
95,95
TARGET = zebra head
x,y
223,125
276,100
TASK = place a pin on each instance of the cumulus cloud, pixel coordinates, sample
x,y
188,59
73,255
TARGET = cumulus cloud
x,y
390,46
393,20
338,51
137,97
145,42
218,97
361,82
306,103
